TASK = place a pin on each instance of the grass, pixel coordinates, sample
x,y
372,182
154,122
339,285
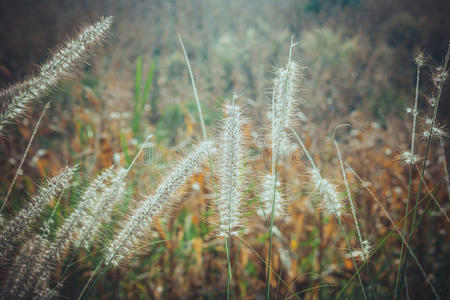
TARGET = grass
x,y
175,251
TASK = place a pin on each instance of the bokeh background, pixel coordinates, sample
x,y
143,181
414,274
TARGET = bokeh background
x,y
359,70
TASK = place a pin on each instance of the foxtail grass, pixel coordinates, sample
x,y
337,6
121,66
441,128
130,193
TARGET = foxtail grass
x,y
439,81
24,156
331,201
283,108
17,228
62,64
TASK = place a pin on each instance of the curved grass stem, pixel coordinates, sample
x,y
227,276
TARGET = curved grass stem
x,y
24,156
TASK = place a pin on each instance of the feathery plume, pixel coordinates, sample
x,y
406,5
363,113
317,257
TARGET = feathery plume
x,y
330,199
230,171
20,223
439,76
283,104
100,210
124,243
363,253
267,198
409,158
39,273
438,133
66,233
20,282
420,59
17,283
60,65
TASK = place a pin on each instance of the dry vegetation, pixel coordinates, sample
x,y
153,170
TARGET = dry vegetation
x,y
148,209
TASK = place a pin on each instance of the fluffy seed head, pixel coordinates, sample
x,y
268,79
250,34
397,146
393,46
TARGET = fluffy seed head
x,y
409,158
438,133
101,212
18,283
70,229
439,76
67,232
60,65
420,59
139,222
230,171
362,254
97,202
283,104
18,226
265,210
411,111
327,191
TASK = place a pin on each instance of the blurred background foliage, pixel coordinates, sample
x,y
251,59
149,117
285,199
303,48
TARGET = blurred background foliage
x,y
359,69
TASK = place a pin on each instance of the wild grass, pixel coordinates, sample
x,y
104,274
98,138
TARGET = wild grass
x,y
104,228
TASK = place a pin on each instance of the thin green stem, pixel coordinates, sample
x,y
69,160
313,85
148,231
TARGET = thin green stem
x,y
411,163
379,245
351,254
334,209
355,219
304,148
24,156
263,261
411,252
205,137
419,189
197,99
229,268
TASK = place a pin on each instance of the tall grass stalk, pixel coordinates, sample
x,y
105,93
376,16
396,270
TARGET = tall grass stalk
x,y
335,210
278,123
24,156
231,162
18,226
210,161
133,229
350,200
365,252
396,228
231,178
119,176
440,85
381,243
436,202
265,262
60,65
140,97
419,63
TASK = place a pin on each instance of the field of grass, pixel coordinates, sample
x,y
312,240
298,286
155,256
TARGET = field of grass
x,y
213,150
